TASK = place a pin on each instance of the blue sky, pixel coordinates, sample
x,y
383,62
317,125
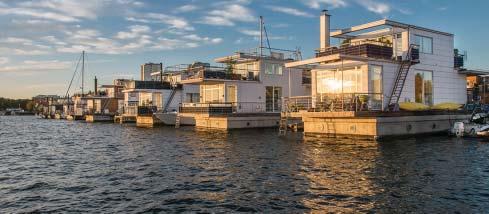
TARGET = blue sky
x,y
40,40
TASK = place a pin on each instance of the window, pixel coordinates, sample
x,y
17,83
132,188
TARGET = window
x,y
336,81
398,44
423,87
273,69
425,44
212,93
375,79
192,97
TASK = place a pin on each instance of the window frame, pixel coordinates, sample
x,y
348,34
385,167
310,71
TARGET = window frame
x,y
421,46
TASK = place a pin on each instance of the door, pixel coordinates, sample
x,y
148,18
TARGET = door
x,y
273,98
231,94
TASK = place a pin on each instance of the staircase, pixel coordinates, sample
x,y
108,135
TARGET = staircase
x,y
172,95
404,66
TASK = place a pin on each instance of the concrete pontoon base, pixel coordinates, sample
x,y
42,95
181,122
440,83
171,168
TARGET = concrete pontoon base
x,y
147,121
381,125
238,121
99,118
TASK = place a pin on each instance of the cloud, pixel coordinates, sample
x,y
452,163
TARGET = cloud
x,y
75,8
206,40
37,14
16,40
328,4
186,8
172,21
4,60
290,11
135,31
227,15
376,7
250,32
38,66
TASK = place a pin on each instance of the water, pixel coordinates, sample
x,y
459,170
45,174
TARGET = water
x,y
63,166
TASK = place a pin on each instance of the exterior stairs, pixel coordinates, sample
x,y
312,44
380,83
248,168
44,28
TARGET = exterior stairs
x,y
403,71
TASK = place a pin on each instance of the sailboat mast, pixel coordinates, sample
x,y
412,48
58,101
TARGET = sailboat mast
x,y
261,36
83,74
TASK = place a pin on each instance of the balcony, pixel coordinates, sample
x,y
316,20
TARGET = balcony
x,y
371,49
199,74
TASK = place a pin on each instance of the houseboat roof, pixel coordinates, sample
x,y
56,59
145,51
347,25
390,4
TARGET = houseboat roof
x,y
255,54
474,72
343,33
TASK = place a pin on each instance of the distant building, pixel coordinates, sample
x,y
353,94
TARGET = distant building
x,y
148,68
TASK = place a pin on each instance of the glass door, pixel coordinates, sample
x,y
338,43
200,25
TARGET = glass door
x,y
273,98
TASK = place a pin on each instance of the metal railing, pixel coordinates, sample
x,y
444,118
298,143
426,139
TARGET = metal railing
x,y
367,48
273,53
335,102
223,108
215,72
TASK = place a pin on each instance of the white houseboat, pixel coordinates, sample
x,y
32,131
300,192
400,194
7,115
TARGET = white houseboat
x,y
357,86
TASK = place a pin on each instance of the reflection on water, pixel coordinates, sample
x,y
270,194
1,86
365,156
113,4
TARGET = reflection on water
x,y
61,166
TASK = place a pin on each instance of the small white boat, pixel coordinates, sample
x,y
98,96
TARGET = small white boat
x,y
477,126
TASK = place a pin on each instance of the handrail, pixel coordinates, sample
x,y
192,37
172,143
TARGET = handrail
x,y
335,102
351,44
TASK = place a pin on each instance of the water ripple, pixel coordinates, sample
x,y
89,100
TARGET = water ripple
x,y
62,166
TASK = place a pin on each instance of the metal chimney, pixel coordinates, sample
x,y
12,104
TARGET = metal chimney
x,y
95,85
324,29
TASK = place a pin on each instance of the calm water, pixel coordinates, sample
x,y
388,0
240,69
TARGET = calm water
x,y
63,166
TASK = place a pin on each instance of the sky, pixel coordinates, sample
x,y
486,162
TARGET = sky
x,y
41,40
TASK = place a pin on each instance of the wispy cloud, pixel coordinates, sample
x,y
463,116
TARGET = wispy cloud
x,y
328,4
37,66
228,15
172,21
186,8
290,11
4,60
375,6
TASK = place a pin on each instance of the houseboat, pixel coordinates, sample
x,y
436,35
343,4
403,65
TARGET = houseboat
x,y
357,86
245,91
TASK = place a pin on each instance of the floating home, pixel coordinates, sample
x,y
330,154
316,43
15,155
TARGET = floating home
x,y
245,92
357,86
142,99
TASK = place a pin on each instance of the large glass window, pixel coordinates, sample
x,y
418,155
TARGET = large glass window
x,y
423,87
425,44
273,69
336,81
212,93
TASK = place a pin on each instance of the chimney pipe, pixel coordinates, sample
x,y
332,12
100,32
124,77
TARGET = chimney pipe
x,y
324,29
95,85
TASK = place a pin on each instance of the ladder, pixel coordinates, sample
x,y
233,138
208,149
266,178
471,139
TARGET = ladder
x,y
404,66
284,119
177,121
167,104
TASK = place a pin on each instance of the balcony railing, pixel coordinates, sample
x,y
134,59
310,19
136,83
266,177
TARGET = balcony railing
x,y
335,102
223,108
218,73
372,49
